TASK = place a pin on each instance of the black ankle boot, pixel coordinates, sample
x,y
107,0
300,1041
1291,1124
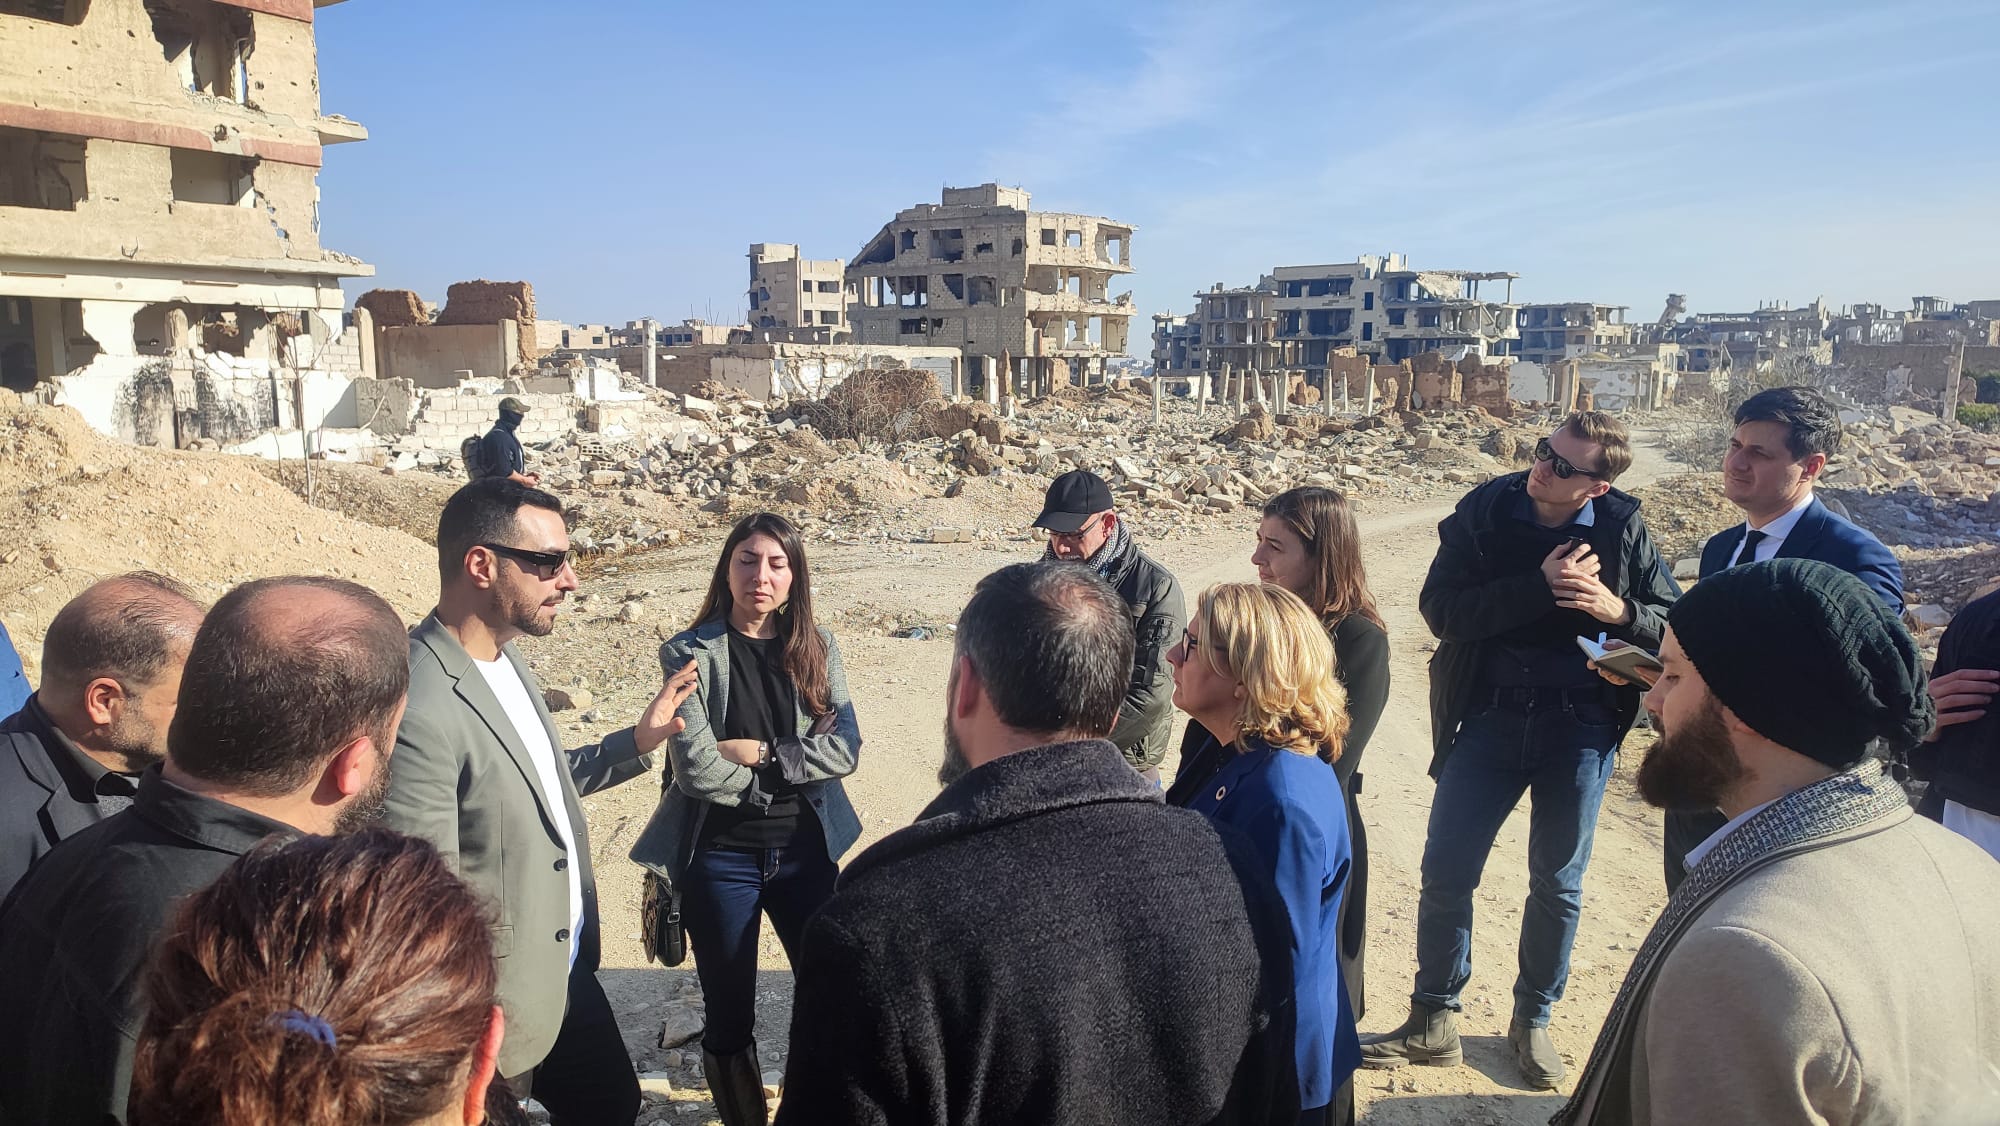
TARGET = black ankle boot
x,y
737,1087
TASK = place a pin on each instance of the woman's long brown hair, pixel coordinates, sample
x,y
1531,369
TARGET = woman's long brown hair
x,y
324,982
804,652
1323,520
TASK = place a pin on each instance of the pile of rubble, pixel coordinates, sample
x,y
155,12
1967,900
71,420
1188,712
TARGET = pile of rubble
x,y
715,453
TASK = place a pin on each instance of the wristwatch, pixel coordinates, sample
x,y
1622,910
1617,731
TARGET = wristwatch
x,y
763,753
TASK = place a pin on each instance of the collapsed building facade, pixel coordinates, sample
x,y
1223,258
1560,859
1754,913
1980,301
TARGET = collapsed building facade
x,y
797,300
160,261
1016,289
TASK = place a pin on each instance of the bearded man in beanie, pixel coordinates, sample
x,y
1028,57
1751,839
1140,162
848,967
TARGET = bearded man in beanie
x,y
1830,957
1083,528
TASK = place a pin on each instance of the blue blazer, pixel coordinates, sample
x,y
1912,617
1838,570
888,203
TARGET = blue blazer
x,y
1825,536
1290,808
13,682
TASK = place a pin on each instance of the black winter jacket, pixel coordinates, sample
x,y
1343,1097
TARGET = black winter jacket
x,y
1047,943
1146,718
1467,601
1964,764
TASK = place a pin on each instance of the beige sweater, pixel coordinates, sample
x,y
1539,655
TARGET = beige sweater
x,y
1855,984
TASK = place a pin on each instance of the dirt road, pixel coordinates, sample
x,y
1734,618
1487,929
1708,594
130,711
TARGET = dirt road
x,y
898,686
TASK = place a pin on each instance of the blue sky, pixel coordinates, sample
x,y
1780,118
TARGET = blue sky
x,y
623,154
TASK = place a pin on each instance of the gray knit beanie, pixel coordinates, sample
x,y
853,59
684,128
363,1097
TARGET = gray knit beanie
x,y
1806,655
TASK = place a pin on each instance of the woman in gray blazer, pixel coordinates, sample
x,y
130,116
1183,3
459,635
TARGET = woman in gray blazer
x,y
754,815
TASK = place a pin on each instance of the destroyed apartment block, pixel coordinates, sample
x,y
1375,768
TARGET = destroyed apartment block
x,y
1016,290
796,300
160,264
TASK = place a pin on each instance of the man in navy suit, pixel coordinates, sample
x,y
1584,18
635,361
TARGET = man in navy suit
x,y
1782,439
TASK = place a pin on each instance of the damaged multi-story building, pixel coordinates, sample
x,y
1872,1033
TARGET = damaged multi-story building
x,y
1383,309
796,300
160,260
981,271
1561,330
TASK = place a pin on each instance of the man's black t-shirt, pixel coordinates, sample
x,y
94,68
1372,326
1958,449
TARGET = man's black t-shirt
x,y
763,704
503,452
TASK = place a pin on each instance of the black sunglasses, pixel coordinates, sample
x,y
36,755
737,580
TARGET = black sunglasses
x,y
1564,468
547,564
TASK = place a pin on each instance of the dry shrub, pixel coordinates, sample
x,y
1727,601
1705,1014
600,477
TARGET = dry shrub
x,y
876,405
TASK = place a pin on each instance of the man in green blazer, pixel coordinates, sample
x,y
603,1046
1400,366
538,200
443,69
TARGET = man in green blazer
x,y
480,770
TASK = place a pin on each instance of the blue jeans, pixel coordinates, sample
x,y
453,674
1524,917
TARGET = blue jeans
x,y
1559,751
722,895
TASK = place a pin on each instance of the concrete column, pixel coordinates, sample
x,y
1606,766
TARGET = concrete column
x,y
990,386
1368,392
652,352
1159,392
364,338
1240,381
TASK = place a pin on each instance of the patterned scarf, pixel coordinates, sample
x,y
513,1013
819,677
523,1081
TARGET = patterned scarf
x,y
1106,559
1797,822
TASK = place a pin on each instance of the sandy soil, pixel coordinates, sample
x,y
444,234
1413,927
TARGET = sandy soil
x,y
898,684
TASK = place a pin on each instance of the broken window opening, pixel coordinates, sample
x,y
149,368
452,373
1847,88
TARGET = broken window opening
x,y
1427,319
70,12
1011,295
208,46
212,177
1048,236
829,287
1115,248
41,170
18,369
162,329
910,326
1367,330
947,245
913,291
1073,239
1396,316
956,284
906,240
1368,300
983,248
1017,248
829,317
980,291
883,249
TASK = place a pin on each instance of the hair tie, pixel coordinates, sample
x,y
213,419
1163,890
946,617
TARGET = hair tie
x,y
293,1020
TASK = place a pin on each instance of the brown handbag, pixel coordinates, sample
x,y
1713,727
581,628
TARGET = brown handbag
x,y
660,921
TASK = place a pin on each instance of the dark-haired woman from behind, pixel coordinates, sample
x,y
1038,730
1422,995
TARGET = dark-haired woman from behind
x,y
330,981
754,814
1309,544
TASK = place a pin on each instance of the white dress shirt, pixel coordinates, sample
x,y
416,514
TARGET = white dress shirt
x,y
513,695
1774,532
1704,848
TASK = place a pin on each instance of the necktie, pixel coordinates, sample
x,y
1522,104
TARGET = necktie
x,y
1751,538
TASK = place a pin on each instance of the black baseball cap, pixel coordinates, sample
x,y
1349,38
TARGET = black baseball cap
x,y
1073,499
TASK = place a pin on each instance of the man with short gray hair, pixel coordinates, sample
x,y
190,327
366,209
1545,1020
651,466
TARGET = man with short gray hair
x,y
111,672
1050,942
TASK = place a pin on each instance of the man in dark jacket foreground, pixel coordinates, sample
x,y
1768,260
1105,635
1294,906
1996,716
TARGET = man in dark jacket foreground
x,y
1084,529
1525,565
288,711
111,673
1049,942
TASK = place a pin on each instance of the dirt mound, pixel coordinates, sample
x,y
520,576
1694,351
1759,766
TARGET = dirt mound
x,y
1682,511
76,506
406,502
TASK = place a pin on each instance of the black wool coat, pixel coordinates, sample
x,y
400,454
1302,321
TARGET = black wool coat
x,y
1049,942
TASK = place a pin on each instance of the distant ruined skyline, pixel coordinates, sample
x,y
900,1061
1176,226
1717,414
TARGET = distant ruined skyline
x,y
624,163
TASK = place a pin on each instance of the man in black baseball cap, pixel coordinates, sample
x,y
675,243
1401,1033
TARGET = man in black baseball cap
x,y
1084,528
501,454
1830,957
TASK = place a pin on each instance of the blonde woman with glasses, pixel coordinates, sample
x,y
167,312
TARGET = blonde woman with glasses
x,y
1255,668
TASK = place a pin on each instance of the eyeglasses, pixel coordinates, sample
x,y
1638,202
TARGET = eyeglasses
x,y
546,564
1564,468
1189,642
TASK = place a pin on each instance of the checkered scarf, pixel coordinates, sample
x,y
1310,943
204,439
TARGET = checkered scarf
x,y
1106,559
1797,822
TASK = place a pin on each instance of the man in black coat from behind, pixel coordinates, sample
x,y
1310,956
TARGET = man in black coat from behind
x,y
1049,942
